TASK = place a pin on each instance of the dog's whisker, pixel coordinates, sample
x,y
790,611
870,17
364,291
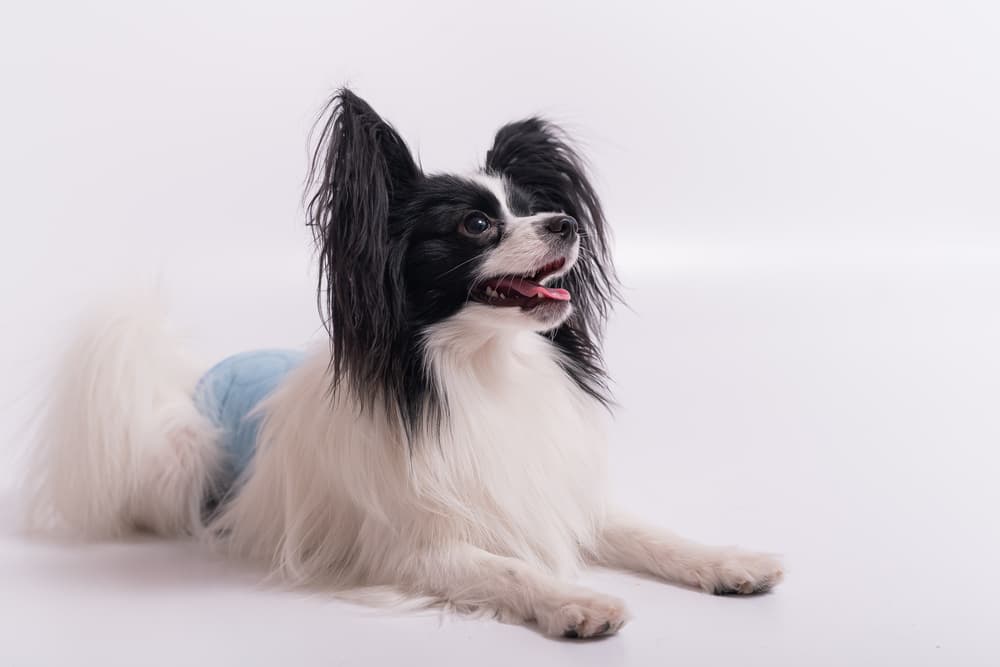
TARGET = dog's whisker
x,y
461,264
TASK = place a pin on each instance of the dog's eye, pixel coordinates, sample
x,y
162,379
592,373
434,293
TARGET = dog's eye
x,y
476,224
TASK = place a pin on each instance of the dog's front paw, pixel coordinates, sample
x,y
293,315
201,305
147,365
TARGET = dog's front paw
x,y
585,615
737,572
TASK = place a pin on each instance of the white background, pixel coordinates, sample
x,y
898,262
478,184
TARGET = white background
x,y
808,222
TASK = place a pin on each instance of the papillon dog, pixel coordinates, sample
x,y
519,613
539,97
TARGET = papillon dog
x,y
447,441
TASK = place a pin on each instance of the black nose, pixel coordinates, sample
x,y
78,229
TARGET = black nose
x,y
562,225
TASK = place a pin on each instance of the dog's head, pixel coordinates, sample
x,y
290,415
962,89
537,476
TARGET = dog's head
x,y
520,244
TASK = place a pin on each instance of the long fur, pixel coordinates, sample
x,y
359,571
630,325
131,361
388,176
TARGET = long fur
x,y
121,445
447,443
359,167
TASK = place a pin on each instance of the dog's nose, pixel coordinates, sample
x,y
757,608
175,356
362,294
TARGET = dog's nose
x,y
563,225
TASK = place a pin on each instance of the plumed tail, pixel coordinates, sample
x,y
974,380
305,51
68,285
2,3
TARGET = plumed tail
x,y
120,442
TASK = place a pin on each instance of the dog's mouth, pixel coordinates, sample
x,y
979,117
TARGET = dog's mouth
x,y
525,291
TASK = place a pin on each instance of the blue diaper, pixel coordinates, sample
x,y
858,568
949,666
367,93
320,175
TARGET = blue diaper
x,y
227,394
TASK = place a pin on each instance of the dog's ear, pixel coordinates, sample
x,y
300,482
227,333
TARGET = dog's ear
x,y
360,167
537,156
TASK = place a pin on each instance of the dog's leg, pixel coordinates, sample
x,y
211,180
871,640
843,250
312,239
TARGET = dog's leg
x,y
627,544
472,579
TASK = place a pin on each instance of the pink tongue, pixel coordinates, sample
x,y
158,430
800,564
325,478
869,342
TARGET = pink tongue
x,y
530,289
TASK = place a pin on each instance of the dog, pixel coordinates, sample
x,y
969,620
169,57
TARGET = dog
x,y
448,441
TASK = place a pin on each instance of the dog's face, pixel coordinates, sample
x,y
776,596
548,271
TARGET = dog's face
x,y
520,244
483,243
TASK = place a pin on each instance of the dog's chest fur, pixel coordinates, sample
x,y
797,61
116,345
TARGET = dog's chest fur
x,y
516,466
522,447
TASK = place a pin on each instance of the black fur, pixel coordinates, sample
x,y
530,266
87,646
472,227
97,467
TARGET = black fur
x,y
360,171
393,263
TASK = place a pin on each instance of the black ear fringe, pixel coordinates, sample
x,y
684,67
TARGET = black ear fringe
x,y
359,166
536,155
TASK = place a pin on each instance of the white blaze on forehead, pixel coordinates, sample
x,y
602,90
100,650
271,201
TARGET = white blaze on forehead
x,y
498,187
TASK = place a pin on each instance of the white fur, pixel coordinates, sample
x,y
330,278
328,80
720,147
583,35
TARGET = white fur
x,y
120,443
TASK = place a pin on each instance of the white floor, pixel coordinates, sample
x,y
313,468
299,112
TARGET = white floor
x,y
843,412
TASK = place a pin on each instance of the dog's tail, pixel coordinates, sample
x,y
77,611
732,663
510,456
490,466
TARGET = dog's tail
x,y
121,444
